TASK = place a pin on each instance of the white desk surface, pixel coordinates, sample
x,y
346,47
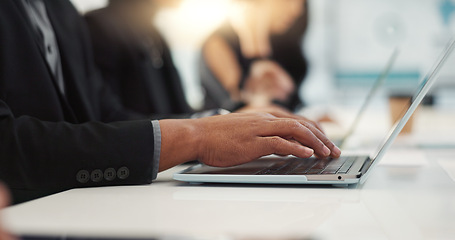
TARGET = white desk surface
x,y
410,195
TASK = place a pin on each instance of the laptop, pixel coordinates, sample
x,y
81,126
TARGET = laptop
x,y
348,169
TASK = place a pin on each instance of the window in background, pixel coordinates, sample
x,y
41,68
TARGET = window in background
x,y
350,41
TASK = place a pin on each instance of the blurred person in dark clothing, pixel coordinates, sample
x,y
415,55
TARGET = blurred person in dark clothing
x,y
256,56
134,58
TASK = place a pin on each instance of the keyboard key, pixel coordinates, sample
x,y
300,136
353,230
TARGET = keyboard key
x,y
334,165
276,166
314,171
303,168
292,164
330,170
319,166
347,165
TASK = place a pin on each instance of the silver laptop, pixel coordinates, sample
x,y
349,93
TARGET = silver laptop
x,y
293,170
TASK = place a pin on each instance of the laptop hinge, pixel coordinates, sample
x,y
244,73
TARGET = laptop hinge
x,y
366,165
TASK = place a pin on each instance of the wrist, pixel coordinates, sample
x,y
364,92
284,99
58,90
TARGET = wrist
x,y
179,142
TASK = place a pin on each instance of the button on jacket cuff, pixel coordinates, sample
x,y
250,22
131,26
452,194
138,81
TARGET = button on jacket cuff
x,y
157,147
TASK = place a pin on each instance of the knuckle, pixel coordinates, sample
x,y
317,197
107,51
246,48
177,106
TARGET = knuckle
x,y
308,124
320,145
269,115
314,124
294,125
265,115
329,144
275,142
316,144
323,139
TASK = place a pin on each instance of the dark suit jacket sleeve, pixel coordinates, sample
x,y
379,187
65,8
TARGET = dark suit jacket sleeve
x,y
46,139
47,156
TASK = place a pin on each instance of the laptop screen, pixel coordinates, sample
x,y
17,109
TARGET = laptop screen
x,y
423,88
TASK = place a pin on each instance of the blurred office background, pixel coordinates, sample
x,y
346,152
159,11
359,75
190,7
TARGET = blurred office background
x,y
348,44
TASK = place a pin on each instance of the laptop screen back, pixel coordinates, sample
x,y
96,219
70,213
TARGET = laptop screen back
x,y
423,88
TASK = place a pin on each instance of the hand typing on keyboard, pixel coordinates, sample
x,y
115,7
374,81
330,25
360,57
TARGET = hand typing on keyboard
x,y
238,138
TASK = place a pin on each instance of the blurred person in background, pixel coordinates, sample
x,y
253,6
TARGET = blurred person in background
x,y
136,62
255,58
134,58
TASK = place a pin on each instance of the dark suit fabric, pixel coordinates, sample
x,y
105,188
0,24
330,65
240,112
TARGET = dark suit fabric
x,y
123,52
45,137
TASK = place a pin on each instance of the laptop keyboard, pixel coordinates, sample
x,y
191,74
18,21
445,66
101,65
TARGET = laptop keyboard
x,y
310,166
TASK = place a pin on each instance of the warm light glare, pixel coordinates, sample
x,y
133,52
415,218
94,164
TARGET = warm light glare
x,y
193,21
205,13
186,29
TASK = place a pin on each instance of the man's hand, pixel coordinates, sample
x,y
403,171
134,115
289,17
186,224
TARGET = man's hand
x,y
278,111
239,138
